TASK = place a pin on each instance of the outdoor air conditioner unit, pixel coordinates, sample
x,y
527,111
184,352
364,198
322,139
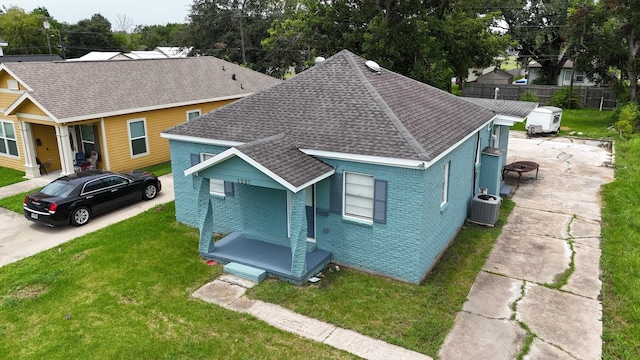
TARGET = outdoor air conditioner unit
x,y
485,209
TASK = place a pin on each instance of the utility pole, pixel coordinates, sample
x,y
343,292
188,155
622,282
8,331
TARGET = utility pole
x,y
46,26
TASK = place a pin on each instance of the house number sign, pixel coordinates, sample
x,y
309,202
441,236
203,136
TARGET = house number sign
x,y
244,181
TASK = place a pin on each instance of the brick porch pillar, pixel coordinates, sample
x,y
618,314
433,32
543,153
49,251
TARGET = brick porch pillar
x,y
205,215
298,234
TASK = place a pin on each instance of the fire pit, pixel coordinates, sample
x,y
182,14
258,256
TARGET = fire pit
x,y
521,167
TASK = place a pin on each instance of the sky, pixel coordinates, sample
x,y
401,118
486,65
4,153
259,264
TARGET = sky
x,y
141,12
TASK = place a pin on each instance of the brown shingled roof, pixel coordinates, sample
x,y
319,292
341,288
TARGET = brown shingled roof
x,y
340,105
72,90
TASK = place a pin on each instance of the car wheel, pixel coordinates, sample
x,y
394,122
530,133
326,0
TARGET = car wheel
x,y
80,216
150,191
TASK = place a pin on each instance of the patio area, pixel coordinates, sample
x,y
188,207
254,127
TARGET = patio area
x,y
275,259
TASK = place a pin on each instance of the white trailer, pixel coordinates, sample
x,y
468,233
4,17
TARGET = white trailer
x,y
544,120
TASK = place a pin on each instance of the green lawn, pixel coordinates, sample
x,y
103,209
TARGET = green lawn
x,y
14,202
592,123
10,176
124,292
414,317
159,169
621,255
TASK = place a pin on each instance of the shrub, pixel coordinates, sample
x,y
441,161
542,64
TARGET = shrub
x,y
561,99
529,95
628,119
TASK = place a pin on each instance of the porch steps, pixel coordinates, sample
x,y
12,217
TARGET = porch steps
x,y
245,272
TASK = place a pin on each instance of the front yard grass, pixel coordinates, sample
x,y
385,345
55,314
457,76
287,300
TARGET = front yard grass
x,y
411,316
14,202
124,292
10,176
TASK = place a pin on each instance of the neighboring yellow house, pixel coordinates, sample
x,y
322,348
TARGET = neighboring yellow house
x,y
55,111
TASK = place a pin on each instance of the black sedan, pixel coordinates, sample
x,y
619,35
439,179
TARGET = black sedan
x,y
76,198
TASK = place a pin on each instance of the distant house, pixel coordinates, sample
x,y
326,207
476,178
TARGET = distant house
x,y
59,112
345,162
497,76
157,53
564,79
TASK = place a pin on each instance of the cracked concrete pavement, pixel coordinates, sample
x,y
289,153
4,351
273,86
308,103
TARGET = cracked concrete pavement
x,y
540,283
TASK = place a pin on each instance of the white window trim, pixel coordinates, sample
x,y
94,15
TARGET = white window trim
x,y
145,137
353,217
5,139
216,186
445,184
478,149
189,112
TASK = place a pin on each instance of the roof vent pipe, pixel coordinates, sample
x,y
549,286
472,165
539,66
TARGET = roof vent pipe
x,y
495,100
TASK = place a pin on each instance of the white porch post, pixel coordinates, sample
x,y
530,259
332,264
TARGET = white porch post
x,y
31,168
64,149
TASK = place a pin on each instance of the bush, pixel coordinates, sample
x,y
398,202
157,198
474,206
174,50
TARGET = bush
x,y
628,119
529,95
561,99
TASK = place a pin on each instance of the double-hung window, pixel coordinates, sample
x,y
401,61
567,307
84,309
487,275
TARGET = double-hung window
x,y
8,142
138,137
193,114
358,195
216,186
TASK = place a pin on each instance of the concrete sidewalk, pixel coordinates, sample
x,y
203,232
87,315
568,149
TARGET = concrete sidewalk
x,y
554,230
228,292
20,238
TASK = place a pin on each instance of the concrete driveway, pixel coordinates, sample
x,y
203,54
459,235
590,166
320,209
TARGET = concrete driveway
x,y
554,230
20,238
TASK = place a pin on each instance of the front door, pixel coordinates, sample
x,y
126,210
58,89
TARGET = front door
x,y
310,207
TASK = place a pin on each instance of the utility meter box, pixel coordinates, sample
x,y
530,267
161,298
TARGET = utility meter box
x,y
544,120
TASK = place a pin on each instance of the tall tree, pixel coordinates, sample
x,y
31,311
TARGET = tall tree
x,y
230,29
24,32
90,35
427,40
539,27
604,35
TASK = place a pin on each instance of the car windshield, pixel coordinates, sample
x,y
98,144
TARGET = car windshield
x,y
57,188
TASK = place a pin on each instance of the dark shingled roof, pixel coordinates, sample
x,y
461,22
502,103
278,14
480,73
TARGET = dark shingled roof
x,y
280,155
514,108
29,58
83,89
340,105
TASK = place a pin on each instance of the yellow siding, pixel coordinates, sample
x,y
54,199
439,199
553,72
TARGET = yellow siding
x,y
12,162
48,150
156,121
30,108
4,76
7,99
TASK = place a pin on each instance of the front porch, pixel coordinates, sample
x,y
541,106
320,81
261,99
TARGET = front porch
x,y
247,249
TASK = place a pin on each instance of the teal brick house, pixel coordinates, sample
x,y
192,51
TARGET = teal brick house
x,y
345,162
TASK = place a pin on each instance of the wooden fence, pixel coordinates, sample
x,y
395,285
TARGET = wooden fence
x,y
588,96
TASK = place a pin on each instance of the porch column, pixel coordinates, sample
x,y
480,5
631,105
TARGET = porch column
x,y
31,168
298,234
205,215
64,149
